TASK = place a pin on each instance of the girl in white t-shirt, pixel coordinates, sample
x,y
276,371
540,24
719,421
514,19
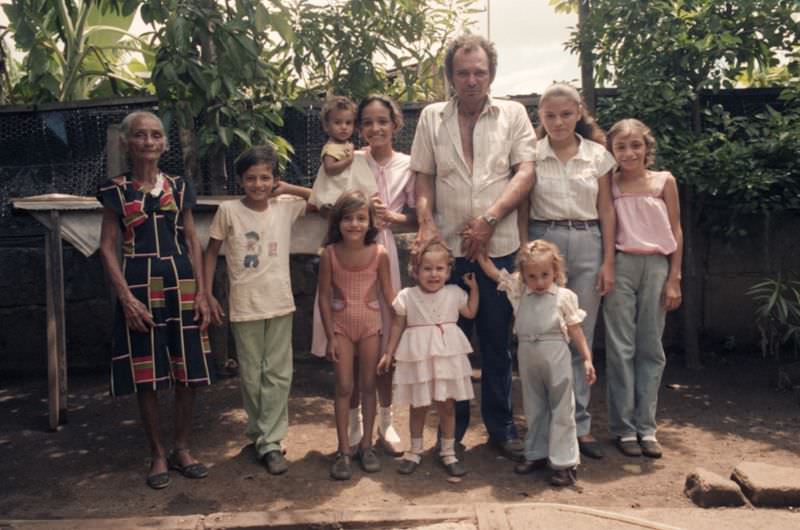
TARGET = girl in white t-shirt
x,y
570,205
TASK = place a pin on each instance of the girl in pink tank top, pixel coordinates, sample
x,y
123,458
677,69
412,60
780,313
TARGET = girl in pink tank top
x,y
649,244
353,274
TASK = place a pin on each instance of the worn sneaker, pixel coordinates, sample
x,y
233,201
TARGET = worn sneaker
x,y
529,466
407,466
564,477
650,448
629,447
455,469
276,463
341,468
592,449
369,460
513,449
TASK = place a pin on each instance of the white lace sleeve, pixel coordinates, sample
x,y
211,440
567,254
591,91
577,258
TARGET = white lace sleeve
x,y
512,285
568,307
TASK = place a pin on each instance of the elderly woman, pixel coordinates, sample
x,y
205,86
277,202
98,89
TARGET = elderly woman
x,y
162,314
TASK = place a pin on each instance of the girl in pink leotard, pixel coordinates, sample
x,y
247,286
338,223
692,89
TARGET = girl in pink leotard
x,y
353,274
378,119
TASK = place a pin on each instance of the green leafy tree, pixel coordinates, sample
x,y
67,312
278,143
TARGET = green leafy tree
x,y
661,54
355,47
222,74
75,49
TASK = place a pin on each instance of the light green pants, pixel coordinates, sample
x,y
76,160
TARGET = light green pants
x,y
264,348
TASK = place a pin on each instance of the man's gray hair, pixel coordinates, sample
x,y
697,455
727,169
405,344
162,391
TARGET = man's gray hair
x,y
470,42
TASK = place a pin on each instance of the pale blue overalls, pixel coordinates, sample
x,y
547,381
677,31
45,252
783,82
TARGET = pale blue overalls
x,y
545,371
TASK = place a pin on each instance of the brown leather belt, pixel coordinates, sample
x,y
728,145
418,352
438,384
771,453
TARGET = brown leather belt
x,y
572,224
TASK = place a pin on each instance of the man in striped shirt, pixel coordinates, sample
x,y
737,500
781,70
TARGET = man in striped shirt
x,y
474,162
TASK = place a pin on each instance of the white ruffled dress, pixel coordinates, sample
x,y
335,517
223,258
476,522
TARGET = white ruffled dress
x,y
432,363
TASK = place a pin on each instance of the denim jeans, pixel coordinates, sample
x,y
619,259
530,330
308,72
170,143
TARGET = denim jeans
x,y
492,323
635,357
583,255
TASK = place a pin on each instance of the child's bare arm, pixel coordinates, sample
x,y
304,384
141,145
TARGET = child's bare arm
x,y
471,309
284,188
333,167
325,284
395,332
671,296
385,277
488,266
575,332
210,259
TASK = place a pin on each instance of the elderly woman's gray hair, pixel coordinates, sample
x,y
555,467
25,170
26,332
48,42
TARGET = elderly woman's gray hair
x,y
127,124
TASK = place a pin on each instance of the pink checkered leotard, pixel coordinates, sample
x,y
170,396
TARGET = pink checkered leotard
x,y
356,311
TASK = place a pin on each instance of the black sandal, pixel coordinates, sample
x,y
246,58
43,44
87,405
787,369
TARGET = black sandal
x,y
196,470
158,481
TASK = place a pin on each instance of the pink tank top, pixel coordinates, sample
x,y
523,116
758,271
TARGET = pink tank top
x,y
642,220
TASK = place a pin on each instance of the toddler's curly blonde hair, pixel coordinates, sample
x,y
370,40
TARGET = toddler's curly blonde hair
x,y
432,245
538,251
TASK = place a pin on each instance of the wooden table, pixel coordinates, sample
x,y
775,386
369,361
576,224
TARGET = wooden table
x,y
77,220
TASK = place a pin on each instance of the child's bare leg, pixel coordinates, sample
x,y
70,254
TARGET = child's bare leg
x,y
447,424
355,430
344,389
355,399
367,365
447,418
387,434
416,425
416,421
384,384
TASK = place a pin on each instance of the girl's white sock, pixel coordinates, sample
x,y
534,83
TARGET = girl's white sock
x,y
415,454
385,428
448,451
355,429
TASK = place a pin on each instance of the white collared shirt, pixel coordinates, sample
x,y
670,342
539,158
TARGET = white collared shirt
x,y
568,191
503,137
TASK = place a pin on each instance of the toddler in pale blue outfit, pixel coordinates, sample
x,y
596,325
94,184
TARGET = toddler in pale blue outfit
x,y
547,316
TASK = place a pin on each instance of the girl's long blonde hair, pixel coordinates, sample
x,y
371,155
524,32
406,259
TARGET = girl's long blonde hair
x,y
540,250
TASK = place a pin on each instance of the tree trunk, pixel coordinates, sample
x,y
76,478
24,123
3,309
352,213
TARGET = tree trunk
x,y
586,56
217,170
691,315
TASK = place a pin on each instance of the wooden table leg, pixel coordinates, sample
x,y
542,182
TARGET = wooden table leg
x,y
56,327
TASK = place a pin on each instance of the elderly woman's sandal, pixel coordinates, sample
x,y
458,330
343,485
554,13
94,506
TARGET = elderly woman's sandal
x,y
195,470
158,481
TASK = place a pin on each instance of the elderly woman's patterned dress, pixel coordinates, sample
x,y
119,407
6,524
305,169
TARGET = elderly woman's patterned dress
x,y
159,273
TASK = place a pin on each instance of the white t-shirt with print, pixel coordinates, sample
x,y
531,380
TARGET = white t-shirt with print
x,y
257,255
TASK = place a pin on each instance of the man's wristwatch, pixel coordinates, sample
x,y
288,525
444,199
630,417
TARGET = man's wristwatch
x,y
491,220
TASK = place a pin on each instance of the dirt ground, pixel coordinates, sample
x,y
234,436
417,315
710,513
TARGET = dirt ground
x,y
96,465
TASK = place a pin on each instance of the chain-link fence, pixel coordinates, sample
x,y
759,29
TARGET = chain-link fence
x,y
62,147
